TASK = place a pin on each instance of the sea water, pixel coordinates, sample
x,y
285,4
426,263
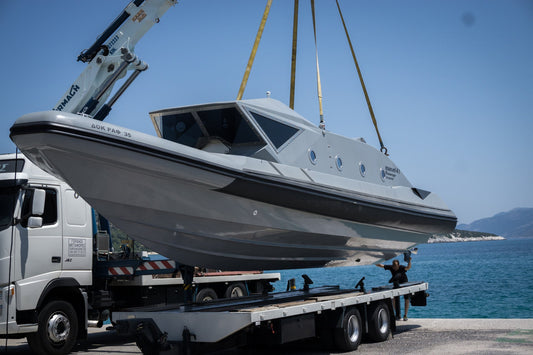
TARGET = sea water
x,y
484,279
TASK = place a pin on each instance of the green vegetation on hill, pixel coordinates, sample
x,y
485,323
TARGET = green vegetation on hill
x,y
459,235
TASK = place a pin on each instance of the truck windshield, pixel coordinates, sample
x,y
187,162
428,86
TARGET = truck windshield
x,y
8,198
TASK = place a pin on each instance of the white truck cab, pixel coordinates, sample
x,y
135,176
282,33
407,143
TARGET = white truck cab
x,y
45,240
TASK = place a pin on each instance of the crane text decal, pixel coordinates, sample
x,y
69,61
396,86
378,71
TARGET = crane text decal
x,y
111,43
73,90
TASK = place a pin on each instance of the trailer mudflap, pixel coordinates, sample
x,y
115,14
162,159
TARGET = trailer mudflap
x,y
296,328
419,298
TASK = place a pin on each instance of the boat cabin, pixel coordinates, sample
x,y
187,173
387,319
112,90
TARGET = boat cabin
x,y
244,127
269,130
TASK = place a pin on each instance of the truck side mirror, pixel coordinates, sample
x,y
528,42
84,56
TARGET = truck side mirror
x,y
35,222
37,205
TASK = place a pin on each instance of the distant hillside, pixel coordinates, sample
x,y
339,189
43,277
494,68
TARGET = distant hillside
x,y
515,223
463,236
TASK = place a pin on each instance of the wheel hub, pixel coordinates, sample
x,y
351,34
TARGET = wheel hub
x,y
383,321
236,292
58,327
353,328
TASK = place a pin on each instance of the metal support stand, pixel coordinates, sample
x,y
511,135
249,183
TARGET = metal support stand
x,y
186,344
148,337
361,285
187,273
307,282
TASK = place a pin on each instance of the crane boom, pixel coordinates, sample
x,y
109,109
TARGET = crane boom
x,y
110,57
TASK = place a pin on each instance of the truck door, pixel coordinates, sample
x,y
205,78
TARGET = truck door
x,y
77,233
41,248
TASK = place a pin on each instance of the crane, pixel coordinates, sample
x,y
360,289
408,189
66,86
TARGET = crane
x,y
109,59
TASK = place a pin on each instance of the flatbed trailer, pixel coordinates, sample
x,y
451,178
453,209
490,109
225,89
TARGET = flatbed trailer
x,y
338,318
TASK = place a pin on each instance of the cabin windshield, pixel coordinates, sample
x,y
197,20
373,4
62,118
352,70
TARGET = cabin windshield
x,y
199,129
278,133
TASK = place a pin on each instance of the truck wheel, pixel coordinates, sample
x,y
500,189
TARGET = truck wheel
x,y
57,329
348,337
379,323
237,289
206,294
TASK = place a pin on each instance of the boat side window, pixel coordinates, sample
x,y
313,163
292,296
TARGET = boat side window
x,y
277,132
338,162
312,156
229,126
362,169
50,207
181,128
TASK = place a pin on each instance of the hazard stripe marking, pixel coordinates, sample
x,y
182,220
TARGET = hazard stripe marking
x,y
120,271
157,265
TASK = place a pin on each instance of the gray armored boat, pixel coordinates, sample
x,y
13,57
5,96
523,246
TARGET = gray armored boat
x,y
241,184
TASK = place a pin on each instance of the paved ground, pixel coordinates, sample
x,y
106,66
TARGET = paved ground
x,y
416,336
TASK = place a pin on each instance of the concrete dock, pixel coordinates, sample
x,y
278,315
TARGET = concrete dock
x,y
415,336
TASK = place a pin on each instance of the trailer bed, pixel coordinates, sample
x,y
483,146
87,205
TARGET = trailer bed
x,y
213,321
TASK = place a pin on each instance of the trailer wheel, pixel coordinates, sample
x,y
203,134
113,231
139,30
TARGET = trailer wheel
x,y
348,337
206,294
379,323
237,289
57,329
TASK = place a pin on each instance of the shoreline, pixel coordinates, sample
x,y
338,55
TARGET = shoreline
x,y
435,324
459,235
454,239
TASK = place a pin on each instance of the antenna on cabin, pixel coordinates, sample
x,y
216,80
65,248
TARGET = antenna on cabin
x,y
268,94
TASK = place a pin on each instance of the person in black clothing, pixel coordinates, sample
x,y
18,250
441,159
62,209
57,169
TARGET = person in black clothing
x,y
399,276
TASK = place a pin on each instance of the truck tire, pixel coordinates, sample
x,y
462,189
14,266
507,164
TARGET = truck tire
x,y
237,289
206,294
57,329
348,337
379,322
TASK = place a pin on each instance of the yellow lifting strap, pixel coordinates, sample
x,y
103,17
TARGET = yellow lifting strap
x,y
293,58
254,50
319,87
383,149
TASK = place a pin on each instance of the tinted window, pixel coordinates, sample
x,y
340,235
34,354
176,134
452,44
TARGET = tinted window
x,y
312,156
278,132
338,162
181,128
362,169
50,207
8,198
228,125
11,165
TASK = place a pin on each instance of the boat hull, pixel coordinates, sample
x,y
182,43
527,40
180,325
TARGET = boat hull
x,y
222,217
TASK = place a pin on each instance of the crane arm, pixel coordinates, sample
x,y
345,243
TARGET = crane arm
x,y
109,59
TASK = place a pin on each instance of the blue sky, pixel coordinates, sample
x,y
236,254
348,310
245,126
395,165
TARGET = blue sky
x,y
451,81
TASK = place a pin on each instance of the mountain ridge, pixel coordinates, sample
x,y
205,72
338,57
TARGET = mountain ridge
x,y
517,222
